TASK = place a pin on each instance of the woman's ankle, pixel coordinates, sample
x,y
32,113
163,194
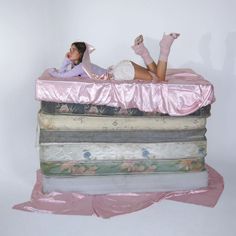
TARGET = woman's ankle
x,y
142,51
165,45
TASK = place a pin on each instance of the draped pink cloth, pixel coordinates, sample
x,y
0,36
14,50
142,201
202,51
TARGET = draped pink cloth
x,y
181,94
109,205
86,62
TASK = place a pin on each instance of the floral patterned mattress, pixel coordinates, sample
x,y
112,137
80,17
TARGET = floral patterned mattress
x,y
61,159
115,123
117,167
56,108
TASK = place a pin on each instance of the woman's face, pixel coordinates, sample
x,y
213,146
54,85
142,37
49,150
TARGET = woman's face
x,y
74,54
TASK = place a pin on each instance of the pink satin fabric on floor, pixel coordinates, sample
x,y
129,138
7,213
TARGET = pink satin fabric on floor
x,y
117,204
183,93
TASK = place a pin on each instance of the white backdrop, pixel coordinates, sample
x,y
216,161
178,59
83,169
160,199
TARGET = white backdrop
x,y
35,35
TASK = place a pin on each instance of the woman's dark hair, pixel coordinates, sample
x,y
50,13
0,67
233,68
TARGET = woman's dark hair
x,y
81,47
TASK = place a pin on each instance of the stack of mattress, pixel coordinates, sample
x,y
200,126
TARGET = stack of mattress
x,y
98,137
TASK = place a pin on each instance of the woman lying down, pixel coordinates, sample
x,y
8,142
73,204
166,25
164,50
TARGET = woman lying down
x,y
77,63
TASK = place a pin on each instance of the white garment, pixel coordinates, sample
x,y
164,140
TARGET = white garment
x,y
124,70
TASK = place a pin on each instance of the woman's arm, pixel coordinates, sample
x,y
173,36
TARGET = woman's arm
x,y
65,64
76,71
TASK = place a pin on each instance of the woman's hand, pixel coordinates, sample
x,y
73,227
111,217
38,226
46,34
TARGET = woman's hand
x,y
52,72
68,55
105,76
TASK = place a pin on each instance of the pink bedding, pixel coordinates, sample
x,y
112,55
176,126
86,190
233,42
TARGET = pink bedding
x,y
108,205
181,94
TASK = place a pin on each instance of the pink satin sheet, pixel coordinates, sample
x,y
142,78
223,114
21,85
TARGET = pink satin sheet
x,y
181,94
109,205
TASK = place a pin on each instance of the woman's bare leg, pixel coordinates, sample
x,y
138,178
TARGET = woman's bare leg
x,y
161,70
152,67
141,73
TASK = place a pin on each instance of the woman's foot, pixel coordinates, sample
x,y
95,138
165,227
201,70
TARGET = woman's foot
x,y
141,50
165,45
138,40
168,39
175,35
138,46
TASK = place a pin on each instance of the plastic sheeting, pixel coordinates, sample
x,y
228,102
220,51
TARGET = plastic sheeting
x,y
71,203
181,94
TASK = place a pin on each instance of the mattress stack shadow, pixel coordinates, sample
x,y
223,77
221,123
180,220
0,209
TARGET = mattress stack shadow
x,y
99,149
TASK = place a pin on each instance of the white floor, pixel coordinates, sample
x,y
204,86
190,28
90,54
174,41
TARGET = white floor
x,y
164,218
